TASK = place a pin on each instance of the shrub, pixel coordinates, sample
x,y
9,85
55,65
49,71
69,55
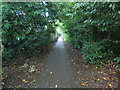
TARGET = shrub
x,y
117,59
96,52
26,29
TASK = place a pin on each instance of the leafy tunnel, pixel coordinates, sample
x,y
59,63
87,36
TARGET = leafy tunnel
x,y
90,27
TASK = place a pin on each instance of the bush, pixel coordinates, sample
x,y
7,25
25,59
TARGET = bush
x,y
26,29
117,59
96,52
89,25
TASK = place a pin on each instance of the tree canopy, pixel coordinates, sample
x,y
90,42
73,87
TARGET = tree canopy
x,y
91,27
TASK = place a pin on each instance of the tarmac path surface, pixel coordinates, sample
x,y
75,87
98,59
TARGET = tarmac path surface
x,y
58,71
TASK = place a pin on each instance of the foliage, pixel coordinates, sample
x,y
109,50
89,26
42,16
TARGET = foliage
x,y
26,28
96,52
93,28
117,59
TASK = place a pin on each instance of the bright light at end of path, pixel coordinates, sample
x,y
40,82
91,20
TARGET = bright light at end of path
x,y
60,39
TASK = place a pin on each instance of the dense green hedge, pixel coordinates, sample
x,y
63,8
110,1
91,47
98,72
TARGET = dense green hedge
x,y
93,28
96,52
26,28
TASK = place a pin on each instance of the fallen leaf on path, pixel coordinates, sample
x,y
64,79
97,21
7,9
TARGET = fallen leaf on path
x,y
3,83
99,80
24,80
110,85
55,86
82,84
100,71
105,78
51,73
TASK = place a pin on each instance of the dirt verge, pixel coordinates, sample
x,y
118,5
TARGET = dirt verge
x,y
21,72
90,76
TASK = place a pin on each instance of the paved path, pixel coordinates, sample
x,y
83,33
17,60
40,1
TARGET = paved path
x,y
59,64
